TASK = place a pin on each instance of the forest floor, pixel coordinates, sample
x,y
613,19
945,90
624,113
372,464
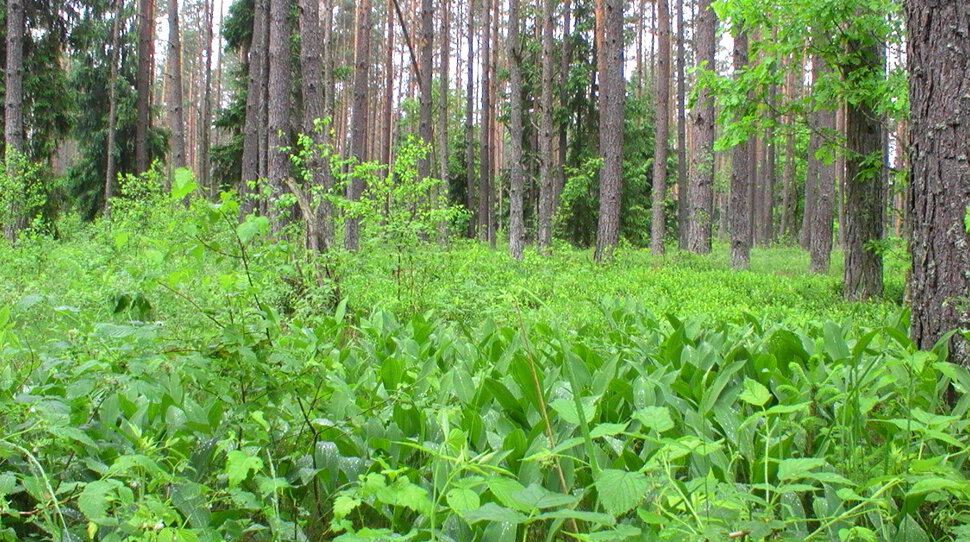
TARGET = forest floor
x,y
172,375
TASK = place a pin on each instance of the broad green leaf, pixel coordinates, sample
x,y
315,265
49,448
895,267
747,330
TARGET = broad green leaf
x,y
607,430
619,491
754,393
462,500
493,512
344,504
503,489
252,227
928,485
538,497
655,417
797,468
596,518
183,183
238,466
566,408
96,499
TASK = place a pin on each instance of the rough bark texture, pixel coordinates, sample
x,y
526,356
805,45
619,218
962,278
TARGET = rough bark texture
x,y
683,209
821,181
789,196
701,182
741,179
13,104
547,158
278,104
469,121
485,168
425,129
254,99
358,141
516,171
205,164
319,230
176,120
109,176
939,90
443,86
143,83
863,198
609,18
662,108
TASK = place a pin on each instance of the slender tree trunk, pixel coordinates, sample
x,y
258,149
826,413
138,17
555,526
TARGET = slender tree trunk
x,y
485,181
559,178
683,209
822,204
388,104
741,176
609,22
701,182
811,167
254,101
143,83
443,91
863,188
13,107
662,100
425,129
359,121
516,170
938,61
469,127
109,177
175,102
547,158
205,162
788,177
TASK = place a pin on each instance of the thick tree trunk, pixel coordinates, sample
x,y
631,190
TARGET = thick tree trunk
x,y
176,120
939,60
143,83
318,220
358,140
741,177
254,101
863,198
609,20
278,105
109,177
469,123
516,170
683,204
821,181
701,182
662,109
547,158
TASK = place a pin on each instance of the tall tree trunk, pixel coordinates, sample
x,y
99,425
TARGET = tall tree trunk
x,y
863,187
485,169
278,105
609,22
176,118
741,175
683,209
143,83
205,167
662,109
358,140
547,158
109,177
318,220
443,91
254,101
388,104
425,129
469,127
13,106
822,201
701,181
938,61
788,177
516,170
565,57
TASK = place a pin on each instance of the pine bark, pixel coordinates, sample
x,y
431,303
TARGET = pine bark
x,y
425,128
516,170
358,140
176,118
254,100
609,20
547,157
683,205
443,91
278,106
741,177
485,168
469,123
319,230
662,109
939,91
205,163
701,182
863,197
109,177
143,83
13,105
821,179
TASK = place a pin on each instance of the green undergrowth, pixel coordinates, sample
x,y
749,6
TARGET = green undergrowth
x,y
175,375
